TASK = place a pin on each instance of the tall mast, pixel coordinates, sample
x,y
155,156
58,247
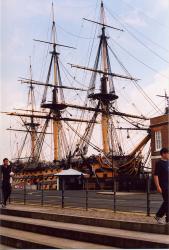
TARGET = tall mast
x,y
56,123
105,106
32,124
106,96
58,102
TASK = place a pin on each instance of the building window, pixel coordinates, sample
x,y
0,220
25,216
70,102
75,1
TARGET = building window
x,y
158,140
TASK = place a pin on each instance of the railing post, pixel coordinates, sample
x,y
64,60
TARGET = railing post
x,y
63,192
24,191
10,194
10,199
42,193
113,179
114,193
148,194
87,194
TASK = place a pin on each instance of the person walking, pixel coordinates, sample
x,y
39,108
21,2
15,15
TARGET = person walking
x,y
6,174
161,179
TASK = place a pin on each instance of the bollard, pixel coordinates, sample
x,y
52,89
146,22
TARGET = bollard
x,y
42,193
148,195
87,195
63,194
24,192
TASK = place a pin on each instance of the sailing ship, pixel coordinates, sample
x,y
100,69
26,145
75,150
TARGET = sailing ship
x,y
100,105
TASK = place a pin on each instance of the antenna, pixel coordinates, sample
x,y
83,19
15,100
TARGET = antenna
x,y
166,97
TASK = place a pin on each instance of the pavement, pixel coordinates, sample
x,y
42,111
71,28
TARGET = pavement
x,y
92,212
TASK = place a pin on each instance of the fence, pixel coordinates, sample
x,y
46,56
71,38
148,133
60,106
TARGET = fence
x,y
146,201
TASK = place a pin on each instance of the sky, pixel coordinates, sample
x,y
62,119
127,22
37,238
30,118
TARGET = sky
x,y
145,38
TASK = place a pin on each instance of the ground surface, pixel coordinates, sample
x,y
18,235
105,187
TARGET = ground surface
x,y
96,213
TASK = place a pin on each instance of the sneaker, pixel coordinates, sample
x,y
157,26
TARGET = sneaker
x,y
166,223
159,220
3,205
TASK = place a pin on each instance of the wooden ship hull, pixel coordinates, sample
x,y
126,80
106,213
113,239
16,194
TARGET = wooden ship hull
x,y
96,168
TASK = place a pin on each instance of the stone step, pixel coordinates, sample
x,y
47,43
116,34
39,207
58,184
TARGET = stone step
x,y
99,222
21,239
5,247
99,235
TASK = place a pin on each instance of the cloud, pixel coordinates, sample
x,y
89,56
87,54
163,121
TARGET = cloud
x,y
22,8
147,9
64,10
158,7
135,19
157,86
164,4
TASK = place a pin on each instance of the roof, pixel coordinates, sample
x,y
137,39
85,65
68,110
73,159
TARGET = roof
x,y
69,172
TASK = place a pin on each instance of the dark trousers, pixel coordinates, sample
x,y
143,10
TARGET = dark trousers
x,y
164,209
6,191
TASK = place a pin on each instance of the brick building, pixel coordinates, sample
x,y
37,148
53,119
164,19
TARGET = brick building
x,y
159,135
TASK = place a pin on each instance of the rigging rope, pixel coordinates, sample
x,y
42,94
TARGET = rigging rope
x,y
91,144
72,34
137,39
45,55
148,39
140,61
146,15
136,83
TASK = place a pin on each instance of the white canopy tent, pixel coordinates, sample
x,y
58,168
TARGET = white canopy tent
x,y
68,172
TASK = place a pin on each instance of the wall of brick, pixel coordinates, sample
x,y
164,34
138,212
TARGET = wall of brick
x,y
160,123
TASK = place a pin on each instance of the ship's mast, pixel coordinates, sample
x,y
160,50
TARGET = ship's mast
x,y
105,106
56,123
58,103
106,95
32,124
104,100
